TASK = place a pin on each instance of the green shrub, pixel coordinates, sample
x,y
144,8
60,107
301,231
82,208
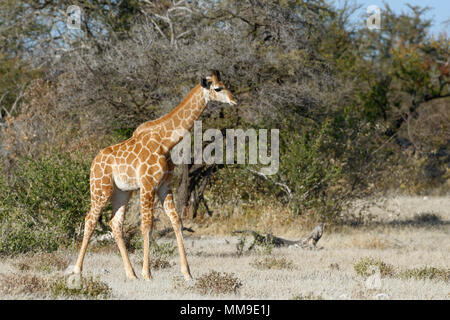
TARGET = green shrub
x,y
217,283
364,267
19,233
309,169
423,273
163,250
89,287
273,263
45,206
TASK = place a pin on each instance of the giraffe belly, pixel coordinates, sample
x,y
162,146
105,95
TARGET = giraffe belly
x,y
126,183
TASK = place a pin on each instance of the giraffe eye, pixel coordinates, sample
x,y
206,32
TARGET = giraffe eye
x,y
217,89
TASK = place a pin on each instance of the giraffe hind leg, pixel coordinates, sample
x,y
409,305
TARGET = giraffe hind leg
x,y
119,201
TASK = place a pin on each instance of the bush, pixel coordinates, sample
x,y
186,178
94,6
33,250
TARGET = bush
x,y
20,233
45,206
89,287
273,263
364,267
217,283
432,273
311,171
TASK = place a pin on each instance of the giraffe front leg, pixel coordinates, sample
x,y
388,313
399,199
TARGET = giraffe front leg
x,y
89,226
146,198
166,197
98,202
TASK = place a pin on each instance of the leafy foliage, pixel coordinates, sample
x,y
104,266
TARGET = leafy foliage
x,y
46,204
364,267
88,287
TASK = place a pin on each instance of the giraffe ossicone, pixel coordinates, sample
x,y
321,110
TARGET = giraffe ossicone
x,y
143,163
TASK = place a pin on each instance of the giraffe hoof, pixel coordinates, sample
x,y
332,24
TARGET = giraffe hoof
x,y
148,278
146,275
131,277
189,283
72,270
74,281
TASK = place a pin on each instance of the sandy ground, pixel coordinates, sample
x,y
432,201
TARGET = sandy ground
x,y
398,237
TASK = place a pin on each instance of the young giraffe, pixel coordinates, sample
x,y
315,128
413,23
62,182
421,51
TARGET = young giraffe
x,y
143,162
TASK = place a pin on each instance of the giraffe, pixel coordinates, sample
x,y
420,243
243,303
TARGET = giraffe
x,y
143,163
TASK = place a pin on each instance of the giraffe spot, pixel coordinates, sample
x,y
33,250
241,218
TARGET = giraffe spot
x,y
107,169
153,159
169,126
162,163
166,143
130,172
127,160
98,184
97,170
131,158
145,139
168,134
144,154
137,148
130,147
106,180
152,169
147,183
143,169
185,124
107,150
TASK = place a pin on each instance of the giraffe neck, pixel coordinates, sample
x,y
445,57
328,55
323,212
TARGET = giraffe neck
x,y
180,119
183,116
190,108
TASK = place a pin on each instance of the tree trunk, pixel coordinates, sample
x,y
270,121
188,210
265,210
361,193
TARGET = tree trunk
x,y
183,192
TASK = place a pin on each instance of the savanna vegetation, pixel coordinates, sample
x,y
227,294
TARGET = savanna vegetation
x,y
361,112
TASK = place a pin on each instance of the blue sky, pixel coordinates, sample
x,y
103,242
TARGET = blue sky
x,y
440,11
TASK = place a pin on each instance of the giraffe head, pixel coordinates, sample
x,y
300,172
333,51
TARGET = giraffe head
x,y
215,90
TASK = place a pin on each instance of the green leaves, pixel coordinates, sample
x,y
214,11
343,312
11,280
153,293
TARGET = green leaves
x,y
43,207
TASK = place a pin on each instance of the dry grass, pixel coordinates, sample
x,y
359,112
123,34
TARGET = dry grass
x,y
42,262
413,244
309,296
217,283
271,262
15,284
371,242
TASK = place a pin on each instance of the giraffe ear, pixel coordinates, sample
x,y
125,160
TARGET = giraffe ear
x,y
205,83
217,74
